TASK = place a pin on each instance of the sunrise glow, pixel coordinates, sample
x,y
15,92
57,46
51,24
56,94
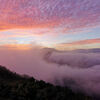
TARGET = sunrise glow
x,y
26,22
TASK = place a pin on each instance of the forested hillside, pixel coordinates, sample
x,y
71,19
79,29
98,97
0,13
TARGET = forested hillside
x,y
16,87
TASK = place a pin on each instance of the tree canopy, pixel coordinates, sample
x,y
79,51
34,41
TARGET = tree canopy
x,y
16,87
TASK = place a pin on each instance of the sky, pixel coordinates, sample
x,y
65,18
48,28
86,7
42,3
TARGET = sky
x,y
59,24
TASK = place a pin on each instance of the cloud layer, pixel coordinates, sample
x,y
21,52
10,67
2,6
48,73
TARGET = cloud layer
x,y
89,43
78,70
50,22
49,13
75,59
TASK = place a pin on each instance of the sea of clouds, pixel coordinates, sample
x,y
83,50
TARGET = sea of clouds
x,y
78,70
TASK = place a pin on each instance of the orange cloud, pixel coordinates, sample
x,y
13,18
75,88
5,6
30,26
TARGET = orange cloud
x,y
16,46
79,44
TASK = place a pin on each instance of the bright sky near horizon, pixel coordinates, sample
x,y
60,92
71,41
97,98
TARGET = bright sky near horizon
x,y
60,24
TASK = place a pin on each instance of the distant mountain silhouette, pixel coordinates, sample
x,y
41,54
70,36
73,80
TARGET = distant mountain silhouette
x,y
92,50
16,87
95,50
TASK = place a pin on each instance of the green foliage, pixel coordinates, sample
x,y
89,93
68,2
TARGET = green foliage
x,y
21,88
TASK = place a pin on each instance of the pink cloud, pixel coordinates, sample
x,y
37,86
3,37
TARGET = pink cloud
x,y
44,13
78,44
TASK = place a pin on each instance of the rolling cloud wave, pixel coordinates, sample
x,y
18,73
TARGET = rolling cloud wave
x,y
79,71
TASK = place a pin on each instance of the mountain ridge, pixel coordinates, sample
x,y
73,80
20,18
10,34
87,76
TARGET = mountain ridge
x,y
16,87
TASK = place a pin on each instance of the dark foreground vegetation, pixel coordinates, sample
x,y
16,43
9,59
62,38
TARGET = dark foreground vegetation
x,y
16,87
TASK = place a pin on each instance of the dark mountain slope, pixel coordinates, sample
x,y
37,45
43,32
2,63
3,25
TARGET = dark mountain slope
x,y
16,87
7,75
